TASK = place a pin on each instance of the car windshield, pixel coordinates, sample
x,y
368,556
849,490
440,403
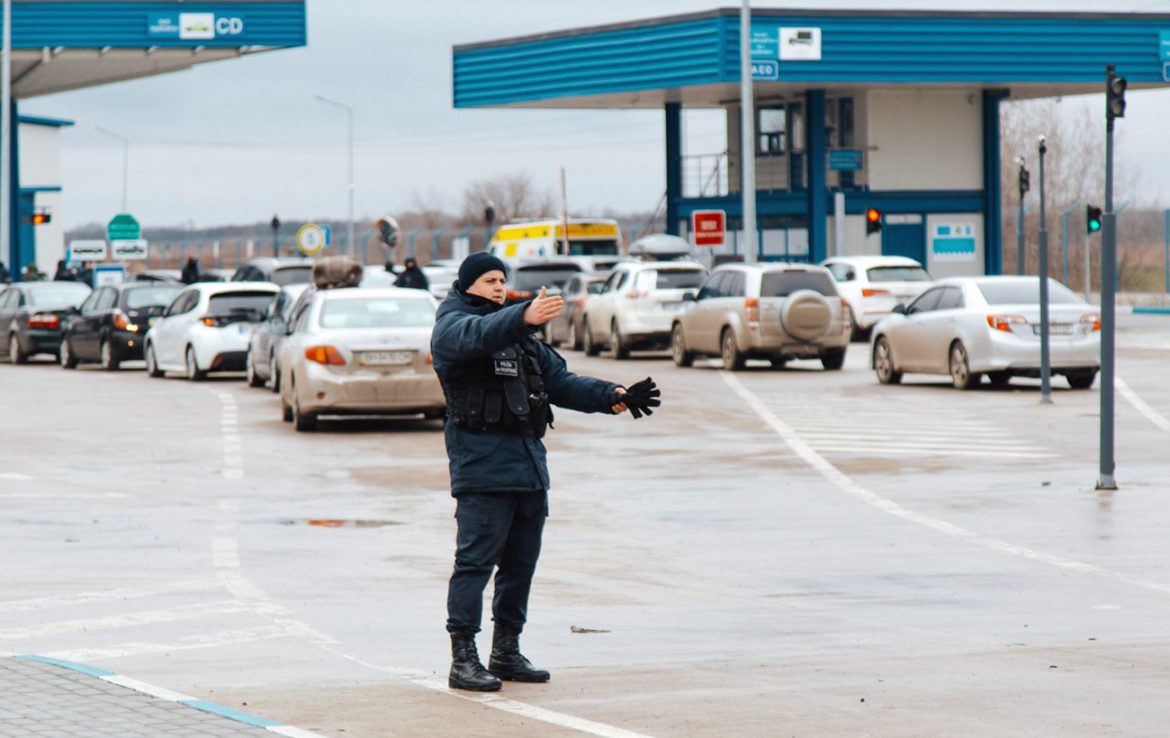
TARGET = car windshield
x,y
377,312
378,277
141,297
1026,292
252,305
592,248
533,278
293,275
783,284
897,274
58,296
669,279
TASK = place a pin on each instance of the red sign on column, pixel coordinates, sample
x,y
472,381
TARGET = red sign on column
x,y
709,227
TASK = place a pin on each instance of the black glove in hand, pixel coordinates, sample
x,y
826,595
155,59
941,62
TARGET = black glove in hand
x,y
639,398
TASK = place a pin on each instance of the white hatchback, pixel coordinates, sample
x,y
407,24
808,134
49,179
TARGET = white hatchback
x,y
873,285
636,307
206,328
360,351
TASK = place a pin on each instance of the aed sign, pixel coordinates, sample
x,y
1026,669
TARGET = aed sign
x,y
800,44
765,69
709,227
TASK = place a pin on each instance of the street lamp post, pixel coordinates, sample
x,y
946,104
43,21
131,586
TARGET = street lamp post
x,y
748,130
5,140
125,162
349,115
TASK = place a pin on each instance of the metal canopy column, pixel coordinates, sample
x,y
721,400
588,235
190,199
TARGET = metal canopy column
x,y
992,196
673,165
818,196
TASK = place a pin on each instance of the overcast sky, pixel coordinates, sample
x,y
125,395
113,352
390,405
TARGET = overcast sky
x,y
236,141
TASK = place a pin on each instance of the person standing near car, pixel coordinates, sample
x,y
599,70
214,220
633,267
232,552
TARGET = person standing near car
x,y
500,385
412,277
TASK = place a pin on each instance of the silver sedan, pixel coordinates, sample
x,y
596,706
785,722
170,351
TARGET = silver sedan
x,y
970,326
360,351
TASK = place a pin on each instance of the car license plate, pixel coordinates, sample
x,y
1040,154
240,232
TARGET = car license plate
x,y
385,358
1055,329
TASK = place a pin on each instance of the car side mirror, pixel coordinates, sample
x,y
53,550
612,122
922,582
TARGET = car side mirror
x,y
900,309
690,297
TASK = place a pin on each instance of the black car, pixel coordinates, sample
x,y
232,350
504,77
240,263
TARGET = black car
x,y
32,315
112,322
525,278
278,270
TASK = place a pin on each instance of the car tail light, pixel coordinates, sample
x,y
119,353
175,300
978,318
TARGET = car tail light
x,y
44,320
1092,319
519,294
871,292
430,360
213,321
1005,322
327,355
121,322
752,306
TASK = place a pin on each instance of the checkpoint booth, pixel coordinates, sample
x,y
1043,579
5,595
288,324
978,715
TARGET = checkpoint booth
x,y
62,45
897,113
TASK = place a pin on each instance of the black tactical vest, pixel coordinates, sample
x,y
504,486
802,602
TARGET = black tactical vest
x,y
504,392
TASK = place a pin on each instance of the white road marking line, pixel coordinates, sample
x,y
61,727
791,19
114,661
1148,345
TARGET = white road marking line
x,y
64,495
233,452
846,484
924,451
109,595
124,620
1132,397
13,476
218,639
917,438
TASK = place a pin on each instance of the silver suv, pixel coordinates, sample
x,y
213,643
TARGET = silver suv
x,y
766,311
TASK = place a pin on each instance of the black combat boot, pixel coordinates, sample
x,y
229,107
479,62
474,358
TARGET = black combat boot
x,y
466,671
507,662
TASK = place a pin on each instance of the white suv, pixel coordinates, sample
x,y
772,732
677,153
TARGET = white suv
x,y
635,308
874,285
766,311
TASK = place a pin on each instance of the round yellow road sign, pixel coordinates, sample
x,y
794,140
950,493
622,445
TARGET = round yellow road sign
x,y
310,238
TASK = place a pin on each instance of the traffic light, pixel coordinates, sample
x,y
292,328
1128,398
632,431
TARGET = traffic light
x,y
1114,95
41,218
873,221
1092,219
1025,181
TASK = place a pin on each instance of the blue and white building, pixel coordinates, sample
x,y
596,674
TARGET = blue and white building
x,y
61,45
896,110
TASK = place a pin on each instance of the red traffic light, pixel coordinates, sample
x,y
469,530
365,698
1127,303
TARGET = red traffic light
x,y
873,221
41,218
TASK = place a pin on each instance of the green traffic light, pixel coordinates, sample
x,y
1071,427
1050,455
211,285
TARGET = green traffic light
x,y
1094,225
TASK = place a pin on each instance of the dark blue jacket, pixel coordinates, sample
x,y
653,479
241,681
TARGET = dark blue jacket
x,y
467,328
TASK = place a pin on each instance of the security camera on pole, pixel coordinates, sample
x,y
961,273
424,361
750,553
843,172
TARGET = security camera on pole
x,y
1114,109
1045,364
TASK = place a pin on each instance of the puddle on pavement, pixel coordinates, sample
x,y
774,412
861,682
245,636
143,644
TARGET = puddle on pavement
x,y
342,523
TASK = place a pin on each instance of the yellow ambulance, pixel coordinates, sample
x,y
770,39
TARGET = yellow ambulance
x,y
544,239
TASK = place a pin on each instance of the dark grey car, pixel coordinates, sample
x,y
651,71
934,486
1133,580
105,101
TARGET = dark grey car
x,y
570,326
264,345
33,314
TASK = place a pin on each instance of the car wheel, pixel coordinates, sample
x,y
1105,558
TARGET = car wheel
x,y
961,375
15,353
833,359
573,341
779,362
617,344
194,373
301,421
286,412
733,358
883,363
110,362
68,360
591,347
273,374
856,333
250,372
1081,378
152,369
678,347
999,379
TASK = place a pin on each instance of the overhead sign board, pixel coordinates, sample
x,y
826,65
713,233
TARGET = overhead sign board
x,y
765,69
87,250
709,228
1164,46
846,160
128,249
123,227
952,242
800,44
765,44
312,238
193,26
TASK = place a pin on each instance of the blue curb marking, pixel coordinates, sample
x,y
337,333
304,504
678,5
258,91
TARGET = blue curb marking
x,y
203,705
1151,310
229,713
90,670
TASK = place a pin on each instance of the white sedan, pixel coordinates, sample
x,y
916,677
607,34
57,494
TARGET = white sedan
x,y
970,326
206,328
360,351
873,285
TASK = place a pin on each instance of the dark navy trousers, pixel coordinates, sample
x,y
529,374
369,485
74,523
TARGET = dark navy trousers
x,y
498,531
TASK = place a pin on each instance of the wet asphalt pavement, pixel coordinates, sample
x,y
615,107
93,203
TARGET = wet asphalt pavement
x,y
774,553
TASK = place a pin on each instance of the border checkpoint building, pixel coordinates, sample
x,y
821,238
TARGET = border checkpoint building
x,y
896,110
61,45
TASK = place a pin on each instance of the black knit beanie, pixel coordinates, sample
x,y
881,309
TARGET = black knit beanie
x,y
477,265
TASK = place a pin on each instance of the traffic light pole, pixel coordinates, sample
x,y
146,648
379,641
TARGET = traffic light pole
x,y
1114,108
1021,252
1045,363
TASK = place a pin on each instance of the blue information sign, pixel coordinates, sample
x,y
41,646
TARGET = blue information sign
x,y
845,160
1164,46
765,44
765,69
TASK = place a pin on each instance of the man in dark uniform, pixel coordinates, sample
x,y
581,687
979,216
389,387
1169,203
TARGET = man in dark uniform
x,y
500,384
412,276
